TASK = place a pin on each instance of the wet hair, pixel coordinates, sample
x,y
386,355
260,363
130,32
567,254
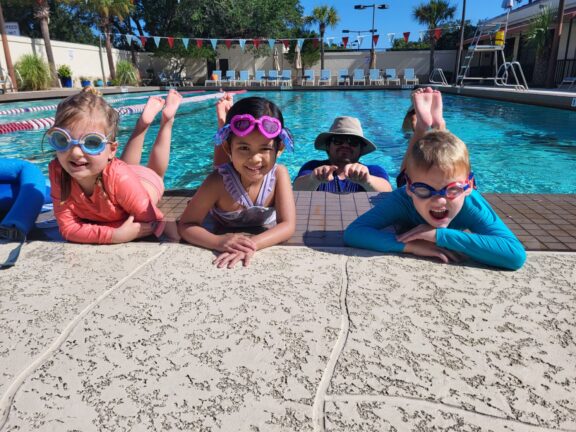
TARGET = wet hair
x,y
258,107
407,122
440,149
88,103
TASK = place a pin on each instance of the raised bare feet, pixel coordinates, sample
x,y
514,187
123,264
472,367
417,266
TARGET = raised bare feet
x,y
153,107
222,107
422,100
437,115
172,103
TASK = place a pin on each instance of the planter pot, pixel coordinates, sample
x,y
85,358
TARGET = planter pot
x,y
66,82
99,83
85,83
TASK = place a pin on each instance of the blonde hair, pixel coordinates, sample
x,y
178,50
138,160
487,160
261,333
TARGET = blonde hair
x,y
87,103
440,149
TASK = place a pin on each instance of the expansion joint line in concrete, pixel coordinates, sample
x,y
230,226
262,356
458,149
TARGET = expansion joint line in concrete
x,y
318,409
8,397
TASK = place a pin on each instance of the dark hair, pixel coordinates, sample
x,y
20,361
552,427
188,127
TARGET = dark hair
x,y
257,107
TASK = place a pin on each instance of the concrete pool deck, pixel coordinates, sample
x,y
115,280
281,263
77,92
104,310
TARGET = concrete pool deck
x,y
150,336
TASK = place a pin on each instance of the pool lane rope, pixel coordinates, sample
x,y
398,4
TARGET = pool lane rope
x,y
53,107
48,122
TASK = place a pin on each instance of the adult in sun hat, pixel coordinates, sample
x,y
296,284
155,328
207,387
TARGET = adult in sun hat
x,y
342,172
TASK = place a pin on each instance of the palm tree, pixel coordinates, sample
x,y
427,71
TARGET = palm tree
x,y
540,36
42,14
433,14
106,11
323,16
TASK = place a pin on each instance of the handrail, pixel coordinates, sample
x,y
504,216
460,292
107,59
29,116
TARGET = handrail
x,y
438,71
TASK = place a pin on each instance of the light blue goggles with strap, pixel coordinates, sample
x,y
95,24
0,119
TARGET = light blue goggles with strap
x,y
92,143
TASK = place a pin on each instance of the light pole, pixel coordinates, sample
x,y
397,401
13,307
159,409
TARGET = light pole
x,y
374,6
360,33
461,46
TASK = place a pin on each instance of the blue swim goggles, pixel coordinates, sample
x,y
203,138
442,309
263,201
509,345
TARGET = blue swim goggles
x,y
92,143
450,192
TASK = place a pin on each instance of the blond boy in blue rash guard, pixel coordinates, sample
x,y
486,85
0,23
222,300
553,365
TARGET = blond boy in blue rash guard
x,y
431,212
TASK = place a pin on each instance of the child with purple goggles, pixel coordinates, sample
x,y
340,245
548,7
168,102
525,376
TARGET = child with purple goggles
x,y
243,124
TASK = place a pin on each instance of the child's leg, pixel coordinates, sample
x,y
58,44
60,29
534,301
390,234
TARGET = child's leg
x,y
133,151
222,107
437,113
160,153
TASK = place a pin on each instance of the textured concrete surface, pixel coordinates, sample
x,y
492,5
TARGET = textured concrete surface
x,y
152,337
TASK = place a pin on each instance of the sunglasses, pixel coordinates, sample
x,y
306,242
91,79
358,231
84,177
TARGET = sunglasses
x,y
93,143
450,191
338,141
243,124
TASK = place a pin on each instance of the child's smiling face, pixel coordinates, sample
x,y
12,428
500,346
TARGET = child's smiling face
x,y
438,211
253,155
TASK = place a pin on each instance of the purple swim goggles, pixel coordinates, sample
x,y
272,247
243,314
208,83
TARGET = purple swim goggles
x,y
243,124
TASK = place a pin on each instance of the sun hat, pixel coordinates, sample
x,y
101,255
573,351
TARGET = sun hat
x,y
345,126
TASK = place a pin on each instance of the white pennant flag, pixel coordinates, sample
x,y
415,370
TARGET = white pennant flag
x,y
391,38
157,41
271,43
359,39
242,42
300,43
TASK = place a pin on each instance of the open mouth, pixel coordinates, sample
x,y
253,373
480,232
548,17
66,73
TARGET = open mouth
x,y
78,164
254,170
439,214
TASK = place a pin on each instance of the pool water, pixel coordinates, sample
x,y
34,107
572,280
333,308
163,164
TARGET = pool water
x,y
514,148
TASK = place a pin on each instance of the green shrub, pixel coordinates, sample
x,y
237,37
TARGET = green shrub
x,y
34,71
125,74
64,71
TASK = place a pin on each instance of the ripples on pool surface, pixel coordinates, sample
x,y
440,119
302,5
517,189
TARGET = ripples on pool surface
x,y
514,148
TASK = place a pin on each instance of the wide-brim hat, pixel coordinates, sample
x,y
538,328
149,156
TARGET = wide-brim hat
x,y
349,126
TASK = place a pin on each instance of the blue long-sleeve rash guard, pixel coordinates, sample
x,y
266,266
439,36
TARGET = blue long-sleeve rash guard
x,y
489,241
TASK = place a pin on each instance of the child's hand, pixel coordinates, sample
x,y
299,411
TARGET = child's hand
x,y
324,173
356,172
131,230
230,259
421,232
427,249
222,107
236,243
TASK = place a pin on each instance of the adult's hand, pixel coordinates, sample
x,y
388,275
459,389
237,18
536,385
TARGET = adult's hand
x,y
357,173
324,173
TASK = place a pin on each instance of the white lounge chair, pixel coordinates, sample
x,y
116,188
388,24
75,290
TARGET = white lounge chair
x,y
244,78
215,82
259,78
374,77
273,77
410,77
568,82
343,77
358,77
391,76
308,77
230,77
325,77
286,78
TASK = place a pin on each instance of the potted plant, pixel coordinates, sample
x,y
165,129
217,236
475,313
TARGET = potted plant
x,y
34,71
65,75
85,82
98,82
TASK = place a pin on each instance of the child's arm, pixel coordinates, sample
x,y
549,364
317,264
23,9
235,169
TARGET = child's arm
x,y
190,224
285,213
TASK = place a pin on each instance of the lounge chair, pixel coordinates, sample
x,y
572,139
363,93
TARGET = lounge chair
x,y
286,78
243,80
215,82
358,77
230,77
259,78
568,82
410,77
325,77
5,81
374,77
308,77
273,77
391,76
343,77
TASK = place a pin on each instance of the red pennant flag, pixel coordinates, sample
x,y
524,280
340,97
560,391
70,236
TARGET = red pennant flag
x,y
228,43
375,39
199,42
170,41
345,41
406,36
315,42
143,40
437,33
286,43
256,43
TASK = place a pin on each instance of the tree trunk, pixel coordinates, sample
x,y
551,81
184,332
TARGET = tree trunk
x,y
432,48
109,51
6,47
322,30
42,14
541,68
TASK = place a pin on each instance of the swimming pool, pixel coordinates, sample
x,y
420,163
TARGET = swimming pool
x,y
514,148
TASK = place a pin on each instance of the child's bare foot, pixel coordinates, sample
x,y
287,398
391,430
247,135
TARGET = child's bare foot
x,y
437,114
422,99
172,103
153,107
222,107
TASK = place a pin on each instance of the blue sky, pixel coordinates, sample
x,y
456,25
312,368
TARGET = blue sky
x,y
397,19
